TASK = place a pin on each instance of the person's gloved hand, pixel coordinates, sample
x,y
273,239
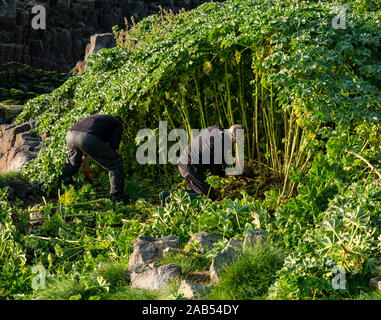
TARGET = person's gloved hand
x,y
86,170
88,176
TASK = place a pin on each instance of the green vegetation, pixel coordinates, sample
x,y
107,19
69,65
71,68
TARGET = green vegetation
x,y
189,262
361,5
129,293
14,273
309,98
374,295
94,286
297,83
250,275
11,178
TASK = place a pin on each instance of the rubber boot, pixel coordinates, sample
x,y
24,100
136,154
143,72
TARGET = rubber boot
x,y
192,195
116,178
67,174
165,196
120,197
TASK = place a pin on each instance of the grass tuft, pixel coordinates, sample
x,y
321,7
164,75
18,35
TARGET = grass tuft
x,y
61,290
250,275
129,293
114,273
12,179
188,261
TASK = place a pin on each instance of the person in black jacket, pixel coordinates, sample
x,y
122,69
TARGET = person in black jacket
x,y
98,137
205,152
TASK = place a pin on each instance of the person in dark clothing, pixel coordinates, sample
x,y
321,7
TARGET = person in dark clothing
x,y
98,137
205,152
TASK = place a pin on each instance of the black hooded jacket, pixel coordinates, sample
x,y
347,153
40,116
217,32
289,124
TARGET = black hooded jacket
x,y
209,146
108,128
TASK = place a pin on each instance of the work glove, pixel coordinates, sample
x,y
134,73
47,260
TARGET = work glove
x,y
88,176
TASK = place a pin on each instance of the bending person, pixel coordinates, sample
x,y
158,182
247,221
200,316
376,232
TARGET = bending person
x,y
98,137
205,152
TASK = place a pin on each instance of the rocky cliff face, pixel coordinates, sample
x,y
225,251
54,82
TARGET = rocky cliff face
x,y
18,145
69,24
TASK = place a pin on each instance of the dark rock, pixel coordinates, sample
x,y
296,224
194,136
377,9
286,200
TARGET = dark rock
x,y
78,49
80,24
63,4
186,4
7,7
139,9
88,5
51,22
168,3
154,6
110,18
78,33
23,17
7,22
9,51
19,34
36,47
126,5
79,18
89,30
5,37
100,4
77,10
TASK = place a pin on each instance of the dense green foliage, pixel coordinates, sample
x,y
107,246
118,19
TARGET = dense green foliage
x,y
14,274
294,82
96,285
309,98
346,234
363,5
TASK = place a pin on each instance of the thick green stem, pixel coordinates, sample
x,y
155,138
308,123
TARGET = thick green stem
x,y
202,115
243,109
229,101
255,125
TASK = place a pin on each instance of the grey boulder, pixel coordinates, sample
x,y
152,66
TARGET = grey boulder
x,y
98,42
148,249
375,283
204,240
152,278
191,290
254,236
224,258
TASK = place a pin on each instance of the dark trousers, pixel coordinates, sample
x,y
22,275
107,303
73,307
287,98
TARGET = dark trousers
x,y
196,181
80,143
